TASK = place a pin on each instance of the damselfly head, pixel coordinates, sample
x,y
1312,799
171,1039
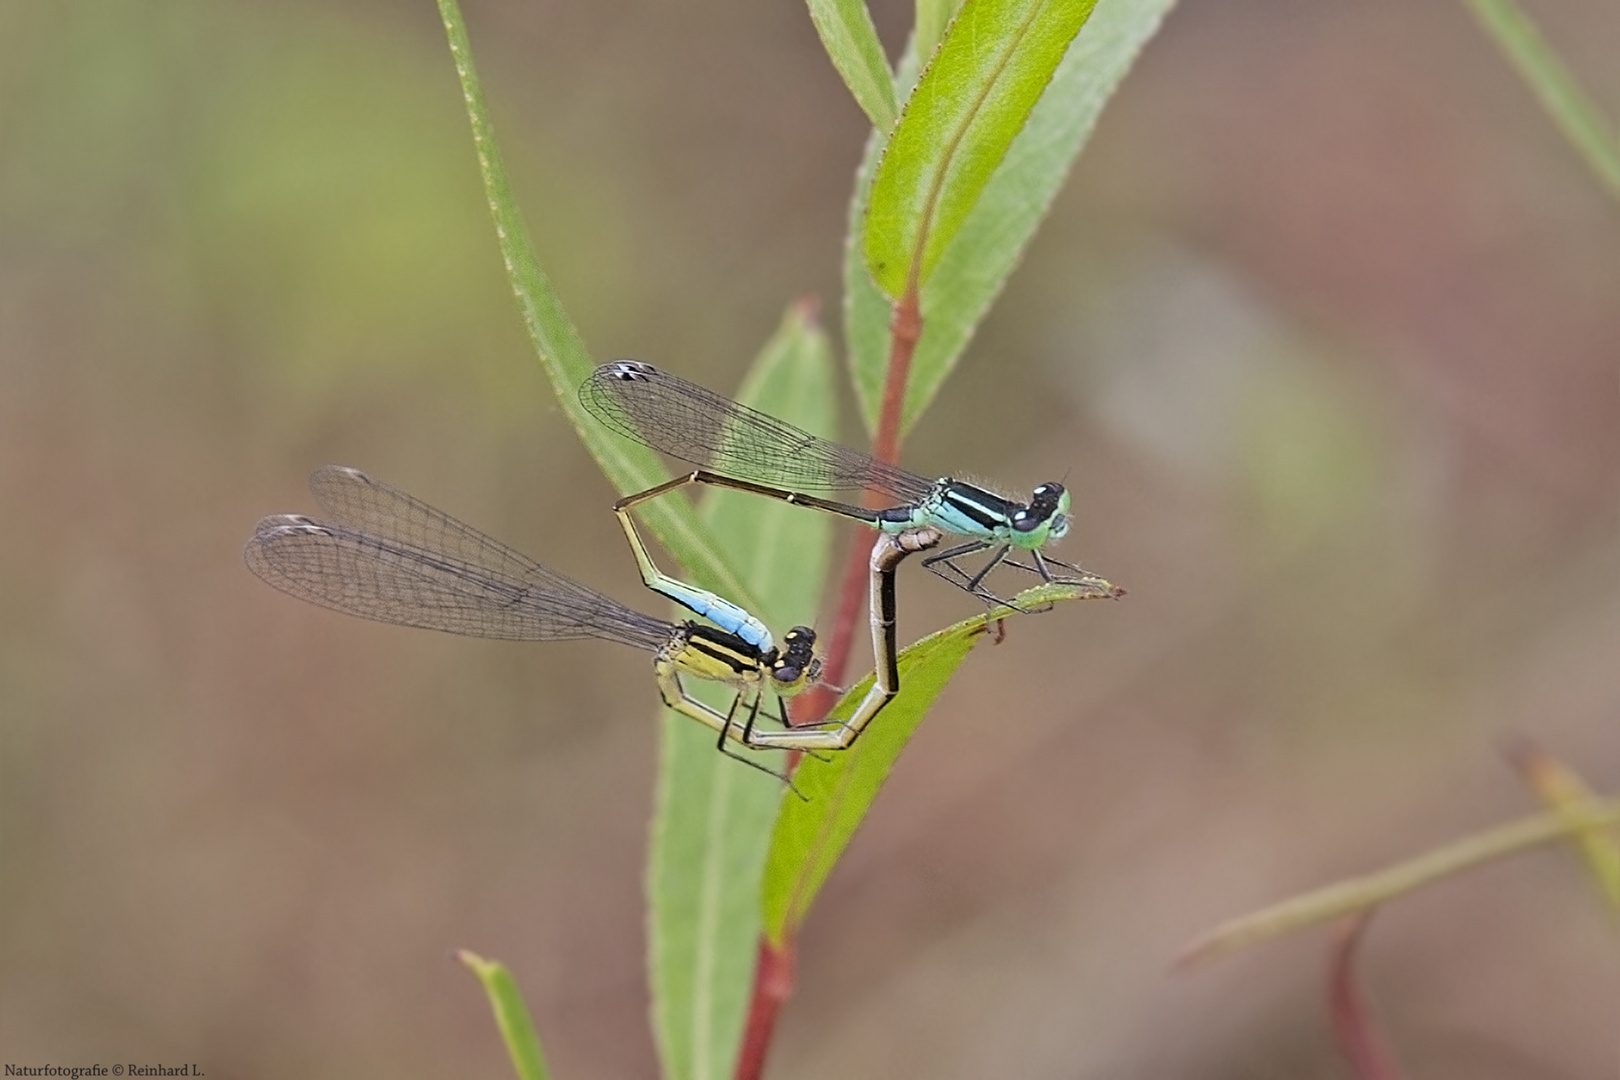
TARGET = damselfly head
x,y
797,665
1048,512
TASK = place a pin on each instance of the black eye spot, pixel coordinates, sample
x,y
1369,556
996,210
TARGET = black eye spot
x,y
786,674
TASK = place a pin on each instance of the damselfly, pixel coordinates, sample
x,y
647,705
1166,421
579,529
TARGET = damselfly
x,y
743,448
384,555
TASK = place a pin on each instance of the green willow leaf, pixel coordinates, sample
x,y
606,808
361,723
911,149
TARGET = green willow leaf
x,y
714,814
511,1015
852,44
628,466
811,833
972,271
933,16
1381,886
974,96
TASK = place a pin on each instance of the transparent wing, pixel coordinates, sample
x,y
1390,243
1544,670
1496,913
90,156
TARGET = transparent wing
x,y
455,579
363,505
686,421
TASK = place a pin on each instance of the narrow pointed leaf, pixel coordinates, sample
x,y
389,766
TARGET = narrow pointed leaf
x,y
974,96
973,269
714,813
628,466
1565,792
1591,133
511,1015
852,44
811,834
1356,894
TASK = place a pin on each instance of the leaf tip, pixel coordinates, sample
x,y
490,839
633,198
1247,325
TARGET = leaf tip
x,y
475,963
1196,953
806,310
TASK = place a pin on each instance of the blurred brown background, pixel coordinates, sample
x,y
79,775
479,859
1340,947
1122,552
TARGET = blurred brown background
x,y
1322,333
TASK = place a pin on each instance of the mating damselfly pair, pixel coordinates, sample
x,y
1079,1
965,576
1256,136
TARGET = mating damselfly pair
x,y
384,555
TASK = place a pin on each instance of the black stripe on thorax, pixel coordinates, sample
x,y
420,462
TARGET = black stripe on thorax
x,y
980,505
729,649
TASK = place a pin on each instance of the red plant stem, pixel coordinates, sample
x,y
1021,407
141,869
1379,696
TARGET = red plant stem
x,y
1353,1026
773,985
905,327
773,970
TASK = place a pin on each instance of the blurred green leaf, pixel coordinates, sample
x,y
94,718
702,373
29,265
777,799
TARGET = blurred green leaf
x,y
714,814
511,1015
629,466
1311,455
933,16
852,43
1588,130
974,96
1562,789
1359,893
811,833
972,271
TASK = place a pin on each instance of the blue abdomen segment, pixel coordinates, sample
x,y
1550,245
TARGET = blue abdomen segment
x,y
723,613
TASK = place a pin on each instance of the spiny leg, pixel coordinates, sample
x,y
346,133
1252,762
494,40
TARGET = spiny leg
x,y
731,715
746,740
1083,576
990,564
1041,565
1046,576
673,691
1026,567
943,563
782,714
1086,576
1001,558
975,584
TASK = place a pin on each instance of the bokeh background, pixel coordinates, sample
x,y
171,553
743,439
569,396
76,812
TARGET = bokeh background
x,y
1322,332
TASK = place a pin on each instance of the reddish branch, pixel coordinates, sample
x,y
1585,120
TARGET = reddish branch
x,y
1358,1036
773,983
773,970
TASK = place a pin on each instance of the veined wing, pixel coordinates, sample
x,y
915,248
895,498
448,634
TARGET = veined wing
x,y
361,504
383,577
688,422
